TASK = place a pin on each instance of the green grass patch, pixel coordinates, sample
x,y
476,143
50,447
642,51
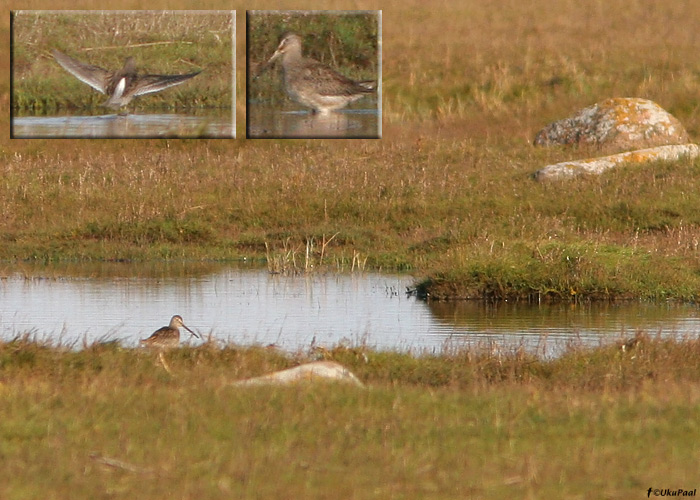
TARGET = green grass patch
x,y
107,420
573,272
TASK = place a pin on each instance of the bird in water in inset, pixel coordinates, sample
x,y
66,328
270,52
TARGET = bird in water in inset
x,y
121,86
313,84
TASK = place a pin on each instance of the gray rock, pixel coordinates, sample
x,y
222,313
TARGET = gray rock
x,y
619,124
595,166
309,372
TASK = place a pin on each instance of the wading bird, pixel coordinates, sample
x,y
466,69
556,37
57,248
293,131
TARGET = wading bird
x,y
314,84
167,337
121,86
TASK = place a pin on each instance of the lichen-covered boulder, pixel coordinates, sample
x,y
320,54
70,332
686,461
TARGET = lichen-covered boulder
x,y
618,124
595,166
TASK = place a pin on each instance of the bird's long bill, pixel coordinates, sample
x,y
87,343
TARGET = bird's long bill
x,y
183,326
277,53
269,62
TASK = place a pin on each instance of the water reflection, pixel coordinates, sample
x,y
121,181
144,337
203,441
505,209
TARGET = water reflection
x,y
131,125
247,305
548,328
356,121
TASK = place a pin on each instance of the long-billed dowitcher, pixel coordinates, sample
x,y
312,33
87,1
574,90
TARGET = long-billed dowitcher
x,y
167,337
314,84
121,86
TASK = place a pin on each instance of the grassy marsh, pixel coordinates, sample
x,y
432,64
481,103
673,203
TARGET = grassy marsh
x,y
110,421
445,194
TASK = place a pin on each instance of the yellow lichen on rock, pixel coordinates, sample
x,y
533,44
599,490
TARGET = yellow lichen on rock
x,y
616,124
597,166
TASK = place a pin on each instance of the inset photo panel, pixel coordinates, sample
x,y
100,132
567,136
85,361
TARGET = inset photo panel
x,y
314,74
134,74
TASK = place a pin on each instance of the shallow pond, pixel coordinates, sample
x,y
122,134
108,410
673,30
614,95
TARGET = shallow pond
x,y
215,125
247,305
358,120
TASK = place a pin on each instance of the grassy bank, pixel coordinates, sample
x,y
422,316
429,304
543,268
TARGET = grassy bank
x,y
476,230
107,421
445,194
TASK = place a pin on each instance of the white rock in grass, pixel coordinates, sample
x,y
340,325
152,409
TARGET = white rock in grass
x,y
597,166
317,371
616,124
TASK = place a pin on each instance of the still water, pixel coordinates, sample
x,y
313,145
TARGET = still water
x,y
216,125
249,306
359,120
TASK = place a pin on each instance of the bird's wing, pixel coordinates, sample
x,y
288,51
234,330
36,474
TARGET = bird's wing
x,y
148,84
333,83
94,76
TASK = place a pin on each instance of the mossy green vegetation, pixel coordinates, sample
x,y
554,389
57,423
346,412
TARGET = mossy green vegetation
x,y
106,420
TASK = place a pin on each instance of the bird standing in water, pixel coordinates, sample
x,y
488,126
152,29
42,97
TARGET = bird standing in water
x,y
314,84
167,337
